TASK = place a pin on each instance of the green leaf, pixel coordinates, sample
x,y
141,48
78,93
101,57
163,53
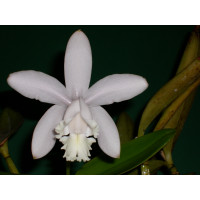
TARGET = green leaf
x,y
10,121
168,93
133,154
187,73
175,105
184,114
176,113
125,127
177,122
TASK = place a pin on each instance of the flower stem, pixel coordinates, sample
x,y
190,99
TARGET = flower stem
x,y
5,153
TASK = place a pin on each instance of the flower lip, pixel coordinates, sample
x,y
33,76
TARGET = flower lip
x,y
77,147
75,133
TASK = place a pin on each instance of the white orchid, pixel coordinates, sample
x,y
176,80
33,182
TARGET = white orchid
x,y
76,119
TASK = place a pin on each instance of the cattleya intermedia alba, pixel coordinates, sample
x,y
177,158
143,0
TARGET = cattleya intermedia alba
x,y
77,119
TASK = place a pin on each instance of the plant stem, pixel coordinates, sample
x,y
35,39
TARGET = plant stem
x,y
11,166
167,156
5,153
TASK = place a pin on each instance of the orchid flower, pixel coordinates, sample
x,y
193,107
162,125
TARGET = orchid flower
x,y
77,120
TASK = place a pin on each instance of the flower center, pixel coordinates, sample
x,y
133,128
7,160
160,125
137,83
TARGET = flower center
x,y
77,136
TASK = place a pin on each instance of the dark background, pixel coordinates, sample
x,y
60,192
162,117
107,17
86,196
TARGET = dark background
x,y
150,51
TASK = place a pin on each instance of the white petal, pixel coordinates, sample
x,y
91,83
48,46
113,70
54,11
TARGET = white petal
x,y
44,136
39,86
78,64
108,138
115,88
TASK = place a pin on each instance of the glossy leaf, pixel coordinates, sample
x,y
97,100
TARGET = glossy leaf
x,y
184,113
189,55
175,115
177,122
192,50
133,154
10,121
170,114
168,93
171,110
125,127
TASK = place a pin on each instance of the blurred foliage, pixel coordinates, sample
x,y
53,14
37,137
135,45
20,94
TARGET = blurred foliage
x,y
175,98
10,121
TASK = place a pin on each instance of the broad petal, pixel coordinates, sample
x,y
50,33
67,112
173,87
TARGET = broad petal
x,y
78,64
39,86
115,88
44,136
108,138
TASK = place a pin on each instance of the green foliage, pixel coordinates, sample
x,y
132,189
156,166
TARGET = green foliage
x,y
133,154
175,98
168,93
